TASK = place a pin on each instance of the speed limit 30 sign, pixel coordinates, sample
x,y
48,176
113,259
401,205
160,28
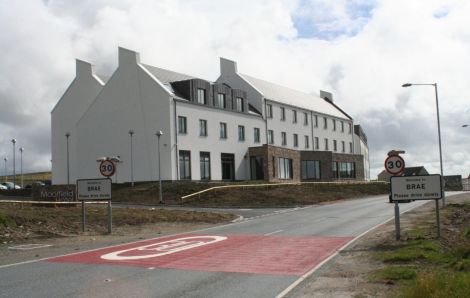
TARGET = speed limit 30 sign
x,y
107,168
394,164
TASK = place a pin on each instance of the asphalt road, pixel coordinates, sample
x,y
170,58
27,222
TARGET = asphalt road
x,y
260,257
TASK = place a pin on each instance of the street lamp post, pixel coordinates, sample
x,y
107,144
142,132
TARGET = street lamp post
x,y
440,154
438,132
14,173
159,134
5,159
131,134
21,167
67,135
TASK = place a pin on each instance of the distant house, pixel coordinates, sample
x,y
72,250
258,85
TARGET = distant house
x,y
453,182
410,171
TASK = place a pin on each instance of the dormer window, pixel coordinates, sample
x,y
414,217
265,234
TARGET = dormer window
x,y
221,100
201,96
239,104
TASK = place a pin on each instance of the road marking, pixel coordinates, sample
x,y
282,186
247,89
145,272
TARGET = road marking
x,y
309,273
185,233
161,248
28,246
250,254
272,233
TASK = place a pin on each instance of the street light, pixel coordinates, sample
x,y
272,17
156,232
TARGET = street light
x,y
159,134
5,160
14,174
438,132
21,159
131,133
67,135
465,125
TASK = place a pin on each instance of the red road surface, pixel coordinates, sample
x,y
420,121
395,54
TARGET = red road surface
x,y
254,254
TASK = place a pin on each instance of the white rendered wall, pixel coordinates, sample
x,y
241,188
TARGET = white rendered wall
x,y
347,135
75,101
361,148
212,143
131,99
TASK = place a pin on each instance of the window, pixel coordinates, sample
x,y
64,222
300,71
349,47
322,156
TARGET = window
x,y
185,165
270,137
223,130
241,132
334,124
283,114
202,128
310,169
305,119
201,96
284,168
344,170
239,104
306,142
315,119
256,134
342,126
335,146
283,139
182,124
350,147
294,116
221,100
317,143
205,165
296,140
256,167
343,149
269,111
325,123
350,128
326,144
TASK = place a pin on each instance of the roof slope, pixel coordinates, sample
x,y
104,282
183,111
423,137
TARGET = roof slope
x,y
293,97
167,76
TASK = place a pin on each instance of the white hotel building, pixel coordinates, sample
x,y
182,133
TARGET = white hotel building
x,y
236,128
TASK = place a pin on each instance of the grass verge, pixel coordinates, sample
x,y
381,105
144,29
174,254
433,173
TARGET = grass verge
x,y
422,266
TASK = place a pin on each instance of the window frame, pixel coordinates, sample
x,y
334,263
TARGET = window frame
x,y
182,125
223,130
202,128
205,165
203,100
241,133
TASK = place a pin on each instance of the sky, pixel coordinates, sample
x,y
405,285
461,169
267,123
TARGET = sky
x,y
361,51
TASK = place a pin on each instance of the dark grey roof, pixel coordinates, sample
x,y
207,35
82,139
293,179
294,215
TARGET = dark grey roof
x,y
167,76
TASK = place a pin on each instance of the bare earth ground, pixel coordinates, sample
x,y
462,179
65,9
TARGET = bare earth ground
x,y
346,275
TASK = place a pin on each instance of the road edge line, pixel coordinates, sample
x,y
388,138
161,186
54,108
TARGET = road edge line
x,y
318,266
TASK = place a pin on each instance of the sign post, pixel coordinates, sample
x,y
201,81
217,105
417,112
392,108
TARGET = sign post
x,y
428,187
95,190
395,165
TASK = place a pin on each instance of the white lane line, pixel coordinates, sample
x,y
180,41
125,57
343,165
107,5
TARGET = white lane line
x,y
272,233
306,275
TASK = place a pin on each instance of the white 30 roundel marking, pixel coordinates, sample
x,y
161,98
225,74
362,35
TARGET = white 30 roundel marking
x,y
161,248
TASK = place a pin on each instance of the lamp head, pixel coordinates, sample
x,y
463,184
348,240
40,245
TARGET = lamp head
x,y
13,141
407,85
131,132
21,149
67,134
465,125
159,133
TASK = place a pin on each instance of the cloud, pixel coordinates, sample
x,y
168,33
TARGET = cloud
x,y
362,51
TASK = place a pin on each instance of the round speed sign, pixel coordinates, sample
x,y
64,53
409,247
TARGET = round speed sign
x,y
394,164
107,168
